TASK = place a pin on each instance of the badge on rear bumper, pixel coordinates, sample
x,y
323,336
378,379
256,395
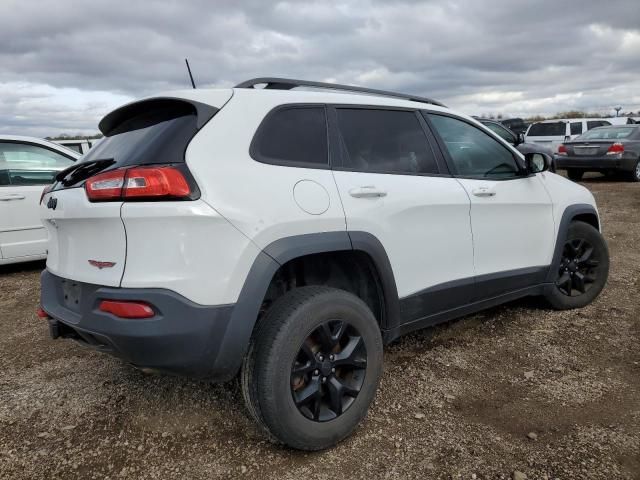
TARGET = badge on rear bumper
x,y
101,265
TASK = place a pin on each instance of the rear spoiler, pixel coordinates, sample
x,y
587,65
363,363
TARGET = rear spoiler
x,y
163,108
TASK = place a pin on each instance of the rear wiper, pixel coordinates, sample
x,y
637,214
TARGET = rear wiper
x,y
81,171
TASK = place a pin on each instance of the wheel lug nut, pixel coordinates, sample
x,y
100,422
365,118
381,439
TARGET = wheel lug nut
x,y
316,372
324,379
321,358
331,357
333,370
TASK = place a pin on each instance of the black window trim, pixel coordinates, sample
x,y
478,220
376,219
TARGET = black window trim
x,y
522,172
336,137
253,146
44,147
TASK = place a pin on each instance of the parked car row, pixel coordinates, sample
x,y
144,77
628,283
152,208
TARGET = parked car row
x,y
605,150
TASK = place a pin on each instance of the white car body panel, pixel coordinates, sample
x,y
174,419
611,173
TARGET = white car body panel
x,y
80,231
422,221
513,228
186,247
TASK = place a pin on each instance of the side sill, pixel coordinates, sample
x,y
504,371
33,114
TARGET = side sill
x,y
435,319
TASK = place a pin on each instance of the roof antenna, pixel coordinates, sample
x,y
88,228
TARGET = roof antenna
x,y
193,84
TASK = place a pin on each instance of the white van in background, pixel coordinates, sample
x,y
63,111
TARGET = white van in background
x,y
551,133
81,146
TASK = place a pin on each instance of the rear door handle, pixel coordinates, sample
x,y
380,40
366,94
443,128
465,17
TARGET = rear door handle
x,y
14,196
368,191
483,192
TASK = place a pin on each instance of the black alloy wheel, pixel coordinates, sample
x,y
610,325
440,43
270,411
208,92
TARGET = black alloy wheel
x,y
328,371
578,267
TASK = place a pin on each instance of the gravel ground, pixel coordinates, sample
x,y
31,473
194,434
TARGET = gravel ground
x,y
518,388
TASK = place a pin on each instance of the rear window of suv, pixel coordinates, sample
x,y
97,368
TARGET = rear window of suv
x,y
154,131
552,129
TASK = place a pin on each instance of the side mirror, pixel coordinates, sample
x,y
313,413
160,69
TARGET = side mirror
x,y
520,138
537,162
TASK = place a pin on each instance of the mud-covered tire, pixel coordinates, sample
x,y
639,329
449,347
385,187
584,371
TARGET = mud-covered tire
x,y
273,360
564,295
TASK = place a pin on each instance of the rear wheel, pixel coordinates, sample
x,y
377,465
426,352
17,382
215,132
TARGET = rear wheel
x,y
583,269
313,367
634,175
575,174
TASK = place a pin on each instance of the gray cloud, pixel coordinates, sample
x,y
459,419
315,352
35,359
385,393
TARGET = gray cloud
x,y
515,57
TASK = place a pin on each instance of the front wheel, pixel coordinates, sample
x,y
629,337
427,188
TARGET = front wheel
x,y
575,174
634,175
313,367
583,269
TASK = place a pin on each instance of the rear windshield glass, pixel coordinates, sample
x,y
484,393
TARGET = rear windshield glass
x,y
157,134
608,133
555,129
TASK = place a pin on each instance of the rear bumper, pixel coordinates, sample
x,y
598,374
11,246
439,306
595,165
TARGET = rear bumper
x,y
595,163
182,338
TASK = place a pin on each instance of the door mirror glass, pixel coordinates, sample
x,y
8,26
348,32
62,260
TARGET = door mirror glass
x,y
537,162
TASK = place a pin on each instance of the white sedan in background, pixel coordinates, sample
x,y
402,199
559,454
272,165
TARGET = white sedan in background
x,y
27,165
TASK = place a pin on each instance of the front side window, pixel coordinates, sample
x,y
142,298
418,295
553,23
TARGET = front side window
x,y
27,164
472,151
293,135
385,141
576,128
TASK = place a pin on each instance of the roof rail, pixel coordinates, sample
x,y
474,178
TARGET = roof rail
x,y
274,83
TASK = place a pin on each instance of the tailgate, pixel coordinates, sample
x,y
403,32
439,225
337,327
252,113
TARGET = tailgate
x,y
87,240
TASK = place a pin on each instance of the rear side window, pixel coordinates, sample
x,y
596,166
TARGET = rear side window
x,y
385,141
27,164
576,128
553,129
295,136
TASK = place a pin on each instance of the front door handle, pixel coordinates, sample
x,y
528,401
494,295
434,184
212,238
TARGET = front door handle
x,y
483,192
368,191
14,196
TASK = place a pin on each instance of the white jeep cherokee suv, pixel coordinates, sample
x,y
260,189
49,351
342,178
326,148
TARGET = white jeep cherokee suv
x,y
288,234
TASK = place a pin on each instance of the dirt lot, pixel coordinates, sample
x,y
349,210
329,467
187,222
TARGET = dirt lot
x,y
458,401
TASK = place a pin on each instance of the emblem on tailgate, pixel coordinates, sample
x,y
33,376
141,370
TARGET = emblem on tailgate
x,y
52,203
101,265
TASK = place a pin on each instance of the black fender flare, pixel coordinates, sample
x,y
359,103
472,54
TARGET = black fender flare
x,y
569,214
245,311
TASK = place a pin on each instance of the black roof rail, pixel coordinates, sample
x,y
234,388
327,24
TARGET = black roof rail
x,y
274,83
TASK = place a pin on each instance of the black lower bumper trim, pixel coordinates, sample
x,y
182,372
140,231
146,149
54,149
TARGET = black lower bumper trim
x,y
182,338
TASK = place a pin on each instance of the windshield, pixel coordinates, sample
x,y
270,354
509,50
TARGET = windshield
x,y
608,133
553,129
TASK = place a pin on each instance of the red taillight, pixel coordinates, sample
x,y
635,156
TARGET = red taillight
x,y
41,313
615,149
127,309
562,150
105,186
151,183
155,182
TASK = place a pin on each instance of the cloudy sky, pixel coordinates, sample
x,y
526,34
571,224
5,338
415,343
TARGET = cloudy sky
x,y
66,63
